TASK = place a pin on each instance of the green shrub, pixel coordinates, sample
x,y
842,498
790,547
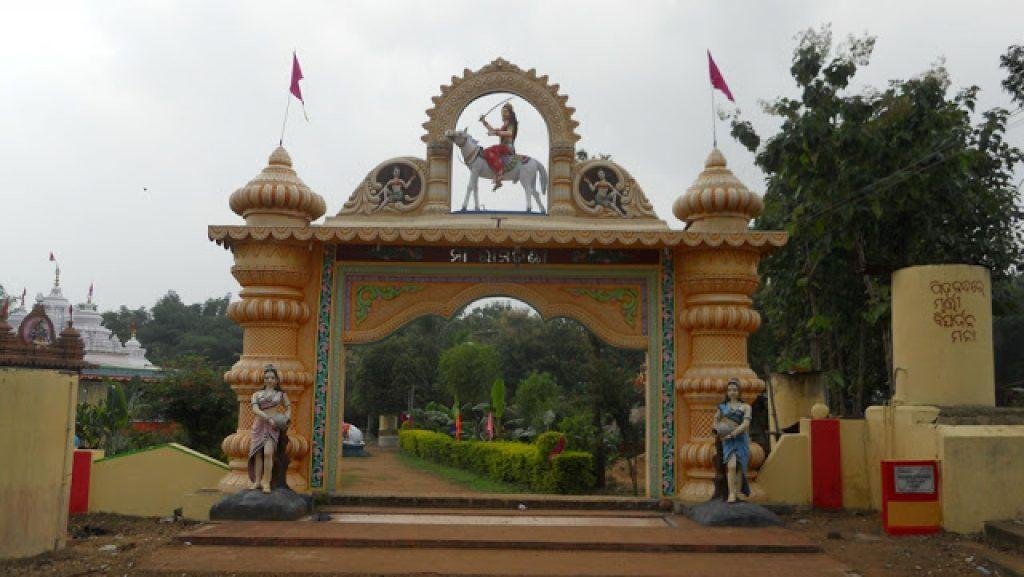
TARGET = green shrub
x,y
546,442
506,461
572,473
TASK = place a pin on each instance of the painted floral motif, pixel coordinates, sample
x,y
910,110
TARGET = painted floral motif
x,y
668,370
367,294
323,347
625,296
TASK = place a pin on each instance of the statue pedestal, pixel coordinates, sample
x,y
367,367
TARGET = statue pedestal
x,y
281,504
718,513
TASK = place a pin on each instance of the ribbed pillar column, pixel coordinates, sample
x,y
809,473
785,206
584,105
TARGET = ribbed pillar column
x,y
272,308
439,170
271,311
716,279
560,201
716,314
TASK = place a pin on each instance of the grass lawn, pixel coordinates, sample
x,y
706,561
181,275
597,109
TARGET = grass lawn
x,y
468,479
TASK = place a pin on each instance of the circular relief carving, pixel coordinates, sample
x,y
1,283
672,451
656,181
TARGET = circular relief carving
x,y
395,186
600,190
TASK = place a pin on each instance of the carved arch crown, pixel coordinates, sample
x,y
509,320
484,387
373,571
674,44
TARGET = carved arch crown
x,y
502,76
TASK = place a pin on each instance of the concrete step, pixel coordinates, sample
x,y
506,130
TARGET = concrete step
x,y
1006,533
636,534
373,562
510,501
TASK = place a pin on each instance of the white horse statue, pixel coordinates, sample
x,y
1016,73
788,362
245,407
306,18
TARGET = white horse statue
x,y
526,172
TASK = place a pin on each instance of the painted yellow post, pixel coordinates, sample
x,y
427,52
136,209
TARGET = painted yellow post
x,y
272,309
439,170
942,335
716,280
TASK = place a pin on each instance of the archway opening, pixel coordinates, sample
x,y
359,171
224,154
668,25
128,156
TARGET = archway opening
x,y
440,375
532,140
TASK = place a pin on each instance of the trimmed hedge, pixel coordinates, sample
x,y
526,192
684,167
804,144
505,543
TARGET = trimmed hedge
x,y
571,472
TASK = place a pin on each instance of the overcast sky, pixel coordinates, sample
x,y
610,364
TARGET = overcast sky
x,y
100,101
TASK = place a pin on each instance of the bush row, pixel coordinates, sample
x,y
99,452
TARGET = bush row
x,y
570,472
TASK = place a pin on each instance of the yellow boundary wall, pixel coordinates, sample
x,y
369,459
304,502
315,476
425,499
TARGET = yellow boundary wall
x,y
980,465
37,425
152,482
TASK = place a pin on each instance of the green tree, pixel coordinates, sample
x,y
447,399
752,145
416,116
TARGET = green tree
x,y
1013,62
866,184
177,330
103,426
539,399
194,395
466,369
1007,336
498,404
121,321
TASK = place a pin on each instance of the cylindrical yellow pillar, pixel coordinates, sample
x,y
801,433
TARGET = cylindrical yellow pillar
x,y
439,173
273,307
716,280
717,317
942,335
560,201
270,313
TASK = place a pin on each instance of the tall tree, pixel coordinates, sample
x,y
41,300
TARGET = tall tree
x,y
467,370
176,330
866,184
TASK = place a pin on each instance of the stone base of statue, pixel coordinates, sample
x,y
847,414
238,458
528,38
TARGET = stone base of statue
x,y
354,450
281,504
718,513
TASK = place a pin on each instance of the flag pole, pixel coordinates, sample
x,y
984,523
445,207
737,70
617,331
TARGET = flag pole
x,y
287,106
714,123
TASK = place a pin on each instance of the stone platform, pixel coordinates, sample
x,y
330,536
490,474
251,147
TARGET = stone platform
x,y
557,540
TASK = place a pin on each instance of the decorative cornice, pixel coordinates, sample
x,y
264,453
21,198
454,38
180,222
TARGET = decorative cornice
x,y
227,235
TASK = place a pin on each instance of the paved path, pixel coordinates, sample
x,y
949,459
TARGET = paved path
x,y
383,473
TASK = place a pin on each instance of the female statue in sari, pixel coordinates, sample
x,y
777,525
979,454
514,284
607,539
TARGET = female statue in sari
x,y
272,412
732,424
506,148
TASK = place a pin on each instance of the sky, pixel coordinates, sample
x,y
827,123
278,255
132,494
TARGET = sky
x,y
126,125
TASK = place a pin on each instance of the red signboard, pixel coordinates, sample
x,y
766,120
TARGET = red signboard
x,y
910,497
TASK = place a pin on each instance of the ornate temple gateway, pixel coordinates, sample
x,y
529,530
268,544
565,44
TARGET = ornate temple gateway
x,y
596,253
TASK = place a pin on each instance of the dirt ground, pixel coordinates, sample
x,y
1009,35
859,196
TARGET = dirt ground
x,y
858,540
89,539
384,474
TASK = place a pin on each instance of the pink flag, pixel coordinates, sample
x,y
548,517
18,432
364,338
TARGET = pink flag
x,y
297,76
490,426
717,81
90,292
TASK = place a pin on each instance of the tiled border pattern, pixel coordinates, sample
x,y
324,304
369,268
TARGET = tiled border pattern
x,y
668,369
323,347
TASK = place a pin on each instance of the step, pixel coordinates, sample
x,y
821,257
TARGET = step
x,y
669,534
363,562
1006,533
512,501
